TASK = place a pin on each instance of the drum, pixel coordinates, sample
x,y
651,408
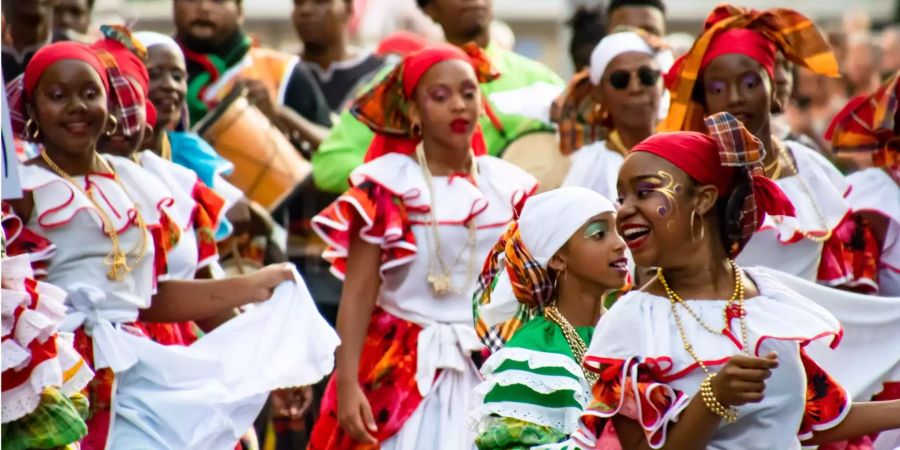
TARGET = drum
x,y
538,154
267,167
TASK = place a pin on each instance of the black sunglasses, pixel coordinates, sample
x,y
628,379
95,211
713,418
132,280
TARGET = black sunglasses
x,y
620,79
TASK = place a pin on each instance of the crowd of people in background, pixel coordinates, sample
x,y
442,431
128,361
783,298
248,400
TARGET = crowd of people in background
x,y
409,236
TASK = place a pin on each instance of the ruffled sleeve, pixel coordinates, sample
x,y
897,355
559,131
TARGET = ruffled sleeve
x,y
208,218
377,215
632,388
827,403
21,241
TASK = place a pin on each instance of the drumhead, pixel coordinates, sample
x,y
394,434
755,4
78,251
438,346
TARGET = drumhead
x,y
215,114
538,154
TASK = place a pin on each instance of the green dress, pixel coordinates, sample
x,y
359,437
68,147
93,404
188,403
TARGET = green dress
x,y
346,145
534,391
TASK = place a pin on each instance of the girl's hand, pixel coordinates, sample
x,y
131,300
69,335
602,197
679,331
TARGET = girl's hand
x,y
355,413
743,379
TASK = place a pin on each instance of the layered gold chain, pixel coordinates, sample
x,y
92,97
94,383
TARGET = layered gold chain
x,y
729,414
784,156
117,259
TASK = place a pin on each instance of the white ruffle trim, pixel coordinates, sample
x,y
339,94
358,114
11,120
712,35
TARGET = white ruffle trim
x,y
535,360
562,419
25,398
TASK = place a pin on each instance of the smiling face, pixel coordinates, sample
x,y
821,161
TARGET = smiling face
x,y
595,254
168,84
118,143
207,23
657,201
739,85
634,105
447,103
69,105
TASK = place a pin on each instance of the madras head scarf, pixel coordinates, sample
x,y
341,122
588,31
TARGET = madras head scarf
x,y
757,34
515,283
868,124
730,158
578,116
21,89
124,57
384,108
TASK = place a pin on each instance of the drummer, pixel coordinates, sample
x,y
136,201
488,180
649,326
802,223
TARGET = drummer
x,y
213,42
346,146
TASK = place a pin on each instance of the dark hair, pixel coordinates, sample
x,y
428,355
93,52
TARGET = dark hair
x,y
616,4
423,3
587,31
730,209
90,4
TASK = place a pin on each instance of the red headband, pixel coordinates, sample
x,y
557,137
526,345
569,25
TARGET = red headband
x,y
712,159
53,53
744,42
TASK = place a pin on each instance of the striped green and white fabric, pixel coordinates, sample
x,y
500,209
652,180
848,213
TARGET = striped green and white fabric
x,y
534,391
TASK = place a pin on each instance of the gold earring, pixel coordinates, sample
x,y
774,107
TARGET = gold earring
x,y
32,134
416,129
115,125
702,227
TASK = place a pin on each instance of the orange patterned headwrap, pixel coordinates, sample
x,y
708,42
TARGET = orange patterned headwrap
x,y
869,124
791,33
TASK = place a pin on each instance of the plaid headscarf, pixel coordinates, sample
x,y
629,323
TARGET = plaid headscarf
x,y
384,108
730,158
868,125
124,57
730,29
515,283
20,89
576,112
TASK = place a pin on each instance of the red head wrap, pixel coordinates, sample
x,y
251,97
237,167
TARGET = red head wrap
x,y
122,55
744,42
22,87
868,124
384,108
714,159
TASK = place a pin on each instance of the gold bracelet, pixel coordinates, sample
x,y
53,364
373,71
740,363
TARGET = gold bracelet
x,y
711,402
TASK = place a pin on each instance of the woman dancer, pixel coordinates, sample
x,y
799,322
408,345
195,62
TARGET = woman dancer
x,y
100,213
731,68
620,91
542,291
866,132
408,239
712,355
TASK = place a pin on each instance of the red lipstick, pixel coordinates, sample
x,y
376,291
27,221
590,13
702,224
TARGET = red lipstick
x,y
459,126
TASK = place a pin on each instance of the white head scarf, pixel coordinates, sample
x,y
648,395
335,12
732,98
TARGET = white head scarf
x,y
151,38
547,222
616,44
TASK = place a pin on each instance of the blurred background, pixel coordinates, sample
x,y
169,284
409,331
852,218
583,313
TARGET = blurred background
x,y
534,28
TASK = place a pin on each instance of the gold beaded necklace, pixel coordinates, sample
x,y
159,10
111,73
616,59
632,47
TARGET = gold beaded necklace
x,y
117,259
442,283
576,344
789,162
730,413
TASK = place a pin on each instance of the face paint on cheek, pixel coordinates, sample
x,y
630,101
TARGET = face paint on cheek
x,y
668,188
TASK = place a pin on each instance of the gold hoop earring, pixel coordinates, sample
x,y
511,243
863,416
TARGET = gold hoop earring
x,y
32,134
702,227
115,125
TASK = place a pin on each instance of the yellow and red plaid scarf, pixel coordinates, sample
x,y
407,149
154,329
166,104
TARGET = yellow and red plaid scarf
x,y
532,284
792,33
867,125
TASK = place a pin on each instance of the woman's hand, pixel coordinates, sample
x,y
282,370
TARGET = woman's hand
x,y
355,413
743,379
262,283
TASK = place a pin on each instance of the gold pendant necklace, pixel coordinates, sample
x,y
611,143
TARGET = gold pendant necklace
x,y
442,282
116,259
